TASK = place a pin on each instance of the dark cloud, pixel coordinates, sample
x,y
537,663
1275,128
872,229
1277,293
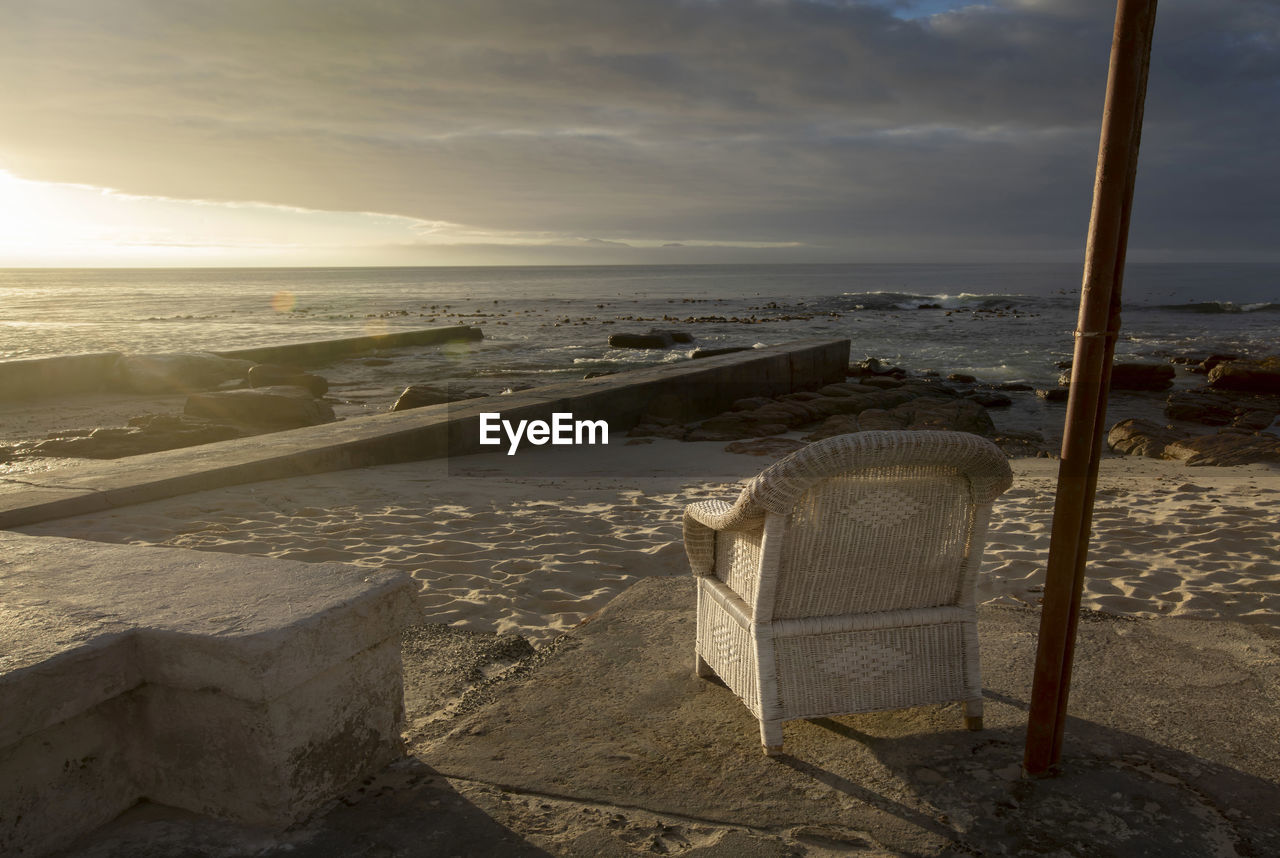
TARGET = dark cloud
x,y
838,125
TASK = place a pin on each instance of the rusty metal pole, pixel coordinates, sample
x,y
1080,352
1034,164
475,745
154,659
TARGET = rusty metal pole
x,y
1095,339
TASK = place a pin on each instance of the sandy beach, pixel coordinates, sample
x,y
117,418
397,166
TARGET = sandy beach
x,y
534,544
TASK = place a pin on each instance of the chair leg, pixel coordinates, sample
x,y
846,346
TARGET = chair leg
x,y
973,714
771,737
701,668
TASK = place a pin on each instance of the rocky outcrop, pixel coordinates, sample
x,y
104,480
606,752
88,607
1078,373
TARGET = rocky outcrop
x,y
654,338
1228,447
836,409
278,407
1252,376
422,395
1209,407
179,373
772,447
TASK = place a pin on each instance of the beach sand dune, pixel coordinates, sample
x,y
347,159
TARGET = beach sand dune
x,y
535,544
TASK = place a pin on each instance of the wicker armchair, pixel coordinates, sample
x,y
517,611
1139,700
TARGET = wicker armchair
x,y
842,579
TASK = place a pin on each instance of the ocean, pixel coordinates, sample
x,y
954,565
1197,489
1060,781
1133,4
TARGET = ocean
x,y
999,322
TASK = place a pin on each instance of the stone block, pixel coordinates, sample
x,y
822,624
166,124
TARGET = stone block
x,y
244,687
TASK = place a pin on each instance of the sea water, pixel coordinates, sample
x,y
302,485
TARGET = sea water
x,y
999,322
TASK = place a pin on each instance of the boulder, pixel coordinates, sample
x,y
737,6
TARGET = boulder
x,y
1137,437
422,395
1204,366
180,372
1057,394
1226,448
989,398
272,375
872,366
839,424
877,418
958,415
1134,376
654,338
961,378
1254,376
263,407
1014,386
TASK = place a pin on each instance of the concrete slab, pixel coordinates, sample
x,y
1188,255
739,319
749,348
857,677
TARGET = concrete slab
x,y
700,387
1173,748
604,744
238,686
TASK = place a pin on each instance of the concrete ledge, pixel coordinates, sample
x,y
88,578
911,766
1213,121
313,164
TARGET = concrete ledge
x,y
237,686
689,390
323,351
31,378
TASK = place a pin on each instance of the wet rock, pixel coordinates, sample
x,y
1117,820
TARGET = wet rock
x,y
1137,437
599,373
883,382
961,378
1202,367
653,339
1254,376
422,395
178,373
958,415
872,366
272,375
1014,386
1057,394
278,407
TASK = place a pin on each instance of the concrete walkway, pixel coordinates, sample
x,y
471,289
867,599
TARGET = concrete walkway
x,y
605,744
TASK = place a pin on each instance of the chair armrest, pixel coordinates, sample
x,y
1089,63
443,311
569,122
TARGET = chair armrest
x,y
702,520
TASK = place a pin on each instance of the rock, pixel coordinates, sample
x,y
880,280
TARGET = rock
x,y
272,375
149,434
872,366
1137,437
1219,407
774,447
179,373
653,339
958,415
1134,376
1226,448
839,424
962,378
706,353
1203,367
751,403
877,418
1058,394
881,381
1254,421
989,398
267,407
1014,386
599,373
377,362
422,395
1254,376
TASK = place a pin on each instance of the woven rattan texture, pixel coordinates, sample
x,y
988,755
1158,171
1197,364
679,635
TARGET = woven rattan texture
x,y
886,539
728,647
866,671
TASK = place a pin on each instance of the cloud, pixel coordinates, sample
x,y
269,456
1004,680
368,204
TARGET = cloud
x,y
839,126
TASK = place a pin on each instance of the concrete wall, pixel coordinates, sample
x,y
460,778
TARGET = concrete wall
x,y
690,390
31,378
325,351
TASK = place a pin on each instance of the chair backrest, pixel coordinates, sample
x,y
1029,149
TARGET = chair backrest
x,y
878,521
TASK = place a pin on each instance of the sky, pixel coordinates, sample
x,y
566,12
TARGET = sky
x,y
428,132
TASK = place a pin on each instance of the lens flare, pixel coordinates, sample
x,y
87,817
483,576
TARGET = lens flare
x,y
283,302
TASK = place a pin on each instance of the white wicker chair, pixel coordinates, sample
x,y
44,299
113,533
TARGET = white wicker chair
x,y
842,579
